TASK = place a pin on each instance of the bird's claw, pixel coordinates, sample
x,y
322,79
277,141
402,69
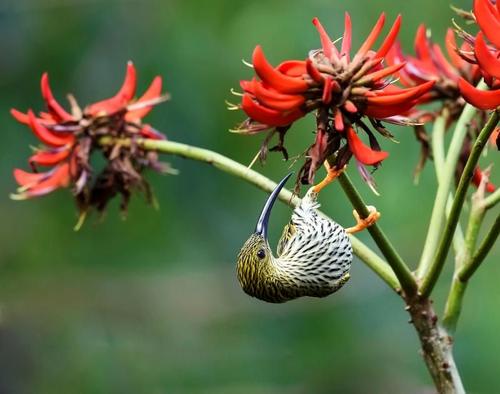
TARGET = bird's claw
x,y
361,224
331,175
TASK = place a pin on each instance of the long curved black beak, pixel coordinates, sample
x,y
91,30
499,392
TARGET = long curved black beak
x,y
263,221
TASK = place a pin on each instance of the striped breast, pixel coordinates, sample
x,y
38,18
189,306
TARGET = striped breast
x,y
316,254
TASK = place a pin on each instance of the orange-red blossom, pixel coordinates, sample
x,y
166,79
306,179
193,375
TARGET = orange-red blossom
x,y
68,138
486,55
344,92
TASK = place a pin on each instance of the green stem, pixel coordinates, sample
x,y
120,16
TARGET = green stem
x,y
438,154
397,264
445,182
453,306
457,290
431,272
225,164
483,250
492,199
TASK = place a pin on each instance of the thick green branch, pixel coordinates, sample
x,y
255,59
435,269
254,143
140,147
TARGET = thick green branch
x,y
482,251
445,182
458,286
438,154
225,164
434,269
493,199
397,264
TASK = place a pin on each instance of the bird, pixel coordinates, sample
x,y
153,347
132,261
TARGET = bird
x,y
314,253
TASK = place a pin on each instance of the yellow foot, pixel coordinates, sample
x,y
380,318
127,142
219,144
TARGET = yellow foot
x,y
361,224
331,174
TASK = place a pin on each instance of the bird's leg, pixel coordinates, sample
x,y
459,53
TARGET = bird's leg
x,y
361,224
331,174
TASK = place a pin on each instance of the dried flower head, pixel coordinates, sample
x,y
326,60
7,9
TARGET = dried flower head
x,y
346,93
68,140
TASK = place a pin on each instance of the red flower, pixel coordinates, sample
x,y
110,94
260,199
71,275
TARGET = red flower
x,y
69,138
343,91
430,64
487,16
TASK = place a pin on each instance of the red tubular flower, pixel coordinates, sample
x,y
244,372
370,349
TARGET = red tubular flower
x,y
454,80
344,92
486,56
69,138
430,64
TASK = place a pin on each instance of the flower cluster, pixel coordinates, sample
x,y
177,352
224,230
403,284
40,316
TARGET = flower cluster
x,y
346,93
431,64
485,53
69,138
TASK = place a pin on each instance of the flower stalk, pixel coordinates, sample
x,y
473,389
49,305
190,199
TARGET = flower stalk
x,y
397,264
445,181
434,269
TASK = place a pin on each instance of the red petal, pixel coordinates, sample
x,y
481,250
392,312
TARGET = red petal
x,y
53,106
266,115
339,120
422,47
482,99
60,177
313,72
385,72
487,61
274,78
49,158
19,116
276,100
329,48
363,153
386,111
248,86
372,37
153,92
350,107
395,56
451,48
390,39
45,135
121,99
327,90
347,38
148,132
489,24
292,68
406,96
443,64
24,178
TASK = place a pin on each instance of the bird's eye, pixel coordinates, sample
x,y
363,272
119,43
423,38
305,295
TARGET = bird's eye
x,y
261,253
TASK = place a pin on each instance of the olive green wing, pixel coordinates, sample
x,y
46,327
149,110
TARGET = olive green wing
x,y
288,232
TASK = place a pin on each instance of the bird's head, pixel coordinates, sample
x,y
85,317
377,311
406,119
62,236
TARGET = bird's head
x,y
255,256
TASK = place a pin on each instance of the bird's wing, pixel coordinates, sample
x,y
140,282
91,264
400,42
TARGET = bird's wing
x,y
288,232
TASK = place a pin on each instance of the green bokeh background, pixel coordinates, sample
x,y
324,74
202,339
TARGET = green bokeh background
x,y
151,304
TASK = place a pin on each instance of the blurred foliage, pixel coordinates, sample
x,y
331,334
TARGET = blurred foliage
x,y
151,304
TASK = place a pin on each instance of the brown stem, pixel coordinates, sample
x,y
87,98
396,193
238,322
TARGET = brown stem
x,y
437,346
